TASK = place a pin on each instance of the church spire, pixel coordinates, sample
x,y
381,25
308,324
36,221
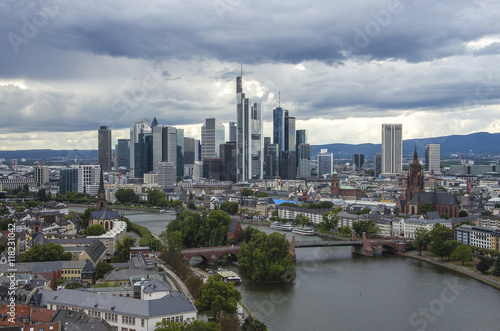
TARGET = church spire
x,y
415,155
101,194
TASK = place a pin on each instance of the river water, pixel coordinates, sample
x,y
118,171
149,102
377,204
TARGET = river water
x,y
336,290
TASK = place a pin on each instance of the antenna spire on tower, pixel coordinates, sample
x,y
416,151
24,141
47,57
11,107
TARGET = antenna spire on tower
x,y
241,62
279,99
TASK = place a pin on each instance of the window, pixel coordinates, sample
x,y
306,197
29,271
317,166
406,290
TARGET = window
x,y
142,322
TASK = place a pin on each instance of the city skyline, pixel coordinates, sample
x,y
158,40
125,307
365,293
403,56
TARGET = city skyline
x,y
343,69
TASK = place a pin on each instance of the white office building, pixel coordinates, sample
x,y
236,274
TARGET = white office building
x,y
392,148
213,134
433,158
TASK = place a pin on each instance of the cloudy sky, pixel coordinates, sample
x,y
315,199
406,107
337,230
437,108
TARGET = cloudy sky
x,y
343,67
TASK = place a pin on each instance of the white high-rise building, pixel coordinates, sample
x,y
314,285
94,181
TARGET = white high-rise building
x,y
392,148
249,136
304,160
213,134
325,163
88,179
433,158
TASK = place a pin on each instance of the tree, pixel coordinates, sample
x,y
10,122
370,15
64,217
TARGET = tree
x,y
462,253
86,215
345,231
482,267
422,238
21,195
230,207
122,250
448,247
302,220
247,192
367,226
253,325
95,230
73,285
102,268
262,195
463,213
363,211
126,195
217,297
47,252
444,216
229,322
4,224
191,206
266,258
247,233
42,195
496,270
330,220
157,198
165,325
425,208
171,241
193,284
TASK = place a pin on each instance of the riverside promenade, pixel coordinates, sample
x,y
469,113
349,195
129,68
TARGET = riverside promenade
x,y
486,279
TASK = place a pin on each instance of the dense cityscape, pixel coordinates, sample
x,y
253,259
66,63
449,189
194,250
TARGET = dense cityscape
x,y
249,166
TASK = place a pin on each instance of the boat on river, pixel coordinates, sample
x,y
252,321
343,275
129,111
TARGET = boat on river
x,y
229,276
303,230
281,226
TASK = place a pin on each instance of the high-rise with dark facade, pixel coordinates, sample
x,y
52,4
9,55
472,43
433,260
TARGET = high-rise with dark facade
x,y
358,160
68,180
232,131
137,129
304,160
122,151
227,154
378,164
279,128
325,163
288,165
180,153
104,148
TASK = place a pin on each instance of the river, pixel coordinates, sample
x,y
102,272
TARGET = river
x,y
336,290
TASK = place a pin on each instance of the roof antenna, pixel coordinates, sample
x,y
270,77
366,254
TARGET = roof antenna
x,y
241,61
279,99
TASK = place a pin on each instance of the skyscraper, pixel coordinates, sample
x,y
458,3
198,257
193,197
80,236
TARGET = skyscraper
x,y
288,165
433,158
304,160
272,160
122,150
232,131
42,175
164,145
228,161
325,163
290,134
180,153
377,164
358,160
249,136
137,128
104,148
189,150
68,181
166,173
88,179
300,137
279,128
392,148
212,135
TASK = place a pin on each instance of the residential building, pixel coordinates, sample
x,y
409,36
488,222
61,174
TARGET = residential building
x,y
122,313
213,134
412,224
88,179
104,148
42,175
392,148
433,158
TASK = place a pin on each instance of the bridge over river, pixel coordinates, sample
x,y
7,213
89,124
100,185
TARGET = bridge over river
x,y
364,246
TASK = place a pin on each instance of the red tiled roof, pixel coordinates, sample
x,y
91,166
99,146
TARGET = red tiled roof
x,y
38,314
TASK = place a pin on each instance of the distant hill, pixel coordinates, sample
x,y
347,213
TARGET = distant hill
x,y
475,143
49,154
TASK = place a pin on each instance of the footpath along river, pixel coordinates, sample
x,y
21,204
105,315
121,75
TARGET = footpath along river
x,y
336,290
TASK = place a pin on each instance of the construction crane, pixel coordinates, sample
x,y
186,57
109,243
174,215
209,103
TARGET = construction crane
x,y
468,185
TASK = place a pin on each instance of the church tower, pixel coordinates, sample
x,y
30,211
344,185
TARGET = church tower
x,y
101,195
415,183
335,184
